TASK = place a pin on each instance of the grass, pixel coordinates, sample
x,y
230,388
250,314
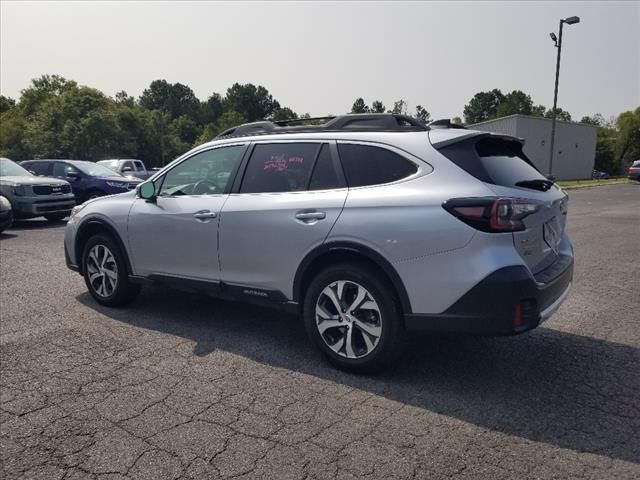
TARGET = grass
x,y
594,181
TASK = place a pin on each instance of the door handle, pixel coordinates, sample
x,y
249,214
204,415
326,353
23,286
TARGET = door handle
x,y
205,214
308,216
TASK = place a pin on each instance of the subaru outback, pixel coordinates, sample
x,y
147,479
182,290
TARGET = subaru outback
x,y
368,226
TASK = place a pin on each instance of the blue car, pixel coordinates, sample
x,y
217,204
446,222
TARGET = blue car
x,y
88,180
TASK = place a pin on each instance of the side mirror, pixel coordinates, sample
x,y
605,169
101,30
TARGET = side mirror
x,y
72,175
147,190
127,170
551,177
32,172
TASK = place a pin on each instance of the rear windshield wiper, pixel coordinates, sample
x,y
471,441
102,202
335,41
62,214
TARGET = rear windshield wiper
x,y
537,184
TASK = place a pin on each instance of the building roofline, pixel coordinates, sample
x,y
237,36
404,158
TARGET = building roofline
x,y
515,115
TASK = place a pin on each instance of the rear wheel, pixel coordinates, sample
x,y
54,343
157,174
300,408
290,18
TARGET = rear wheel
x,y
352,317
56,217
105,272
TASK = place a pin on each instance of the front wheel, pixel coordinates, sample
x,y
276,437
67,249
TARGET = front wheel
x,y
105,272
352,317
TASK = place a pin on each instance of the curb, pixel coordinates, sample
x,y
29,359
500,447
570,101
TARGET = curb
x,y
575,187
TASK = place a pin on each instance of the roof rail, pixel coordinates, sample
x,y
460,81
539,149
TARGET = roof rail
x,y
381,122
445,123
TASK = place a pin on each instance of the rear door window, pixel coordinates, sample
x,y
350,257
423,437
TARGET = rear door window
x,y
368,165
39,168
279,167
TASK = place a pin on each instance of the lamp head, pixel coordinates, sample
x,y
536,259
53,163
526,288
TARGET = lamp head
x,y
571,20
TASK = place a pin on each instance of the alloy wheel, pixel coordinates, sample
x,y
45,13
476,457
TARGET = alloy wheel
x,y
348,319
102,270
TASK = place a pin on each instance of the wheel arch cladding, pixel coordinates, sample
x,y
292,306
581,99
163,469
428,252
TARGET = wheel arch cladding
x,y
340,252
94,226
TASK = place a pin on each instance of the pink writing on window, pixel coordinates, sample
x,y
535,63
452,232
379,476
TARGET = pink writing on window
x,y
279,163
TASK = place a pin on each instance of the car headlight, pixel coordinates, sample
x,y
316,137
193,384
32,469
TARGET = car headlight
x,y
19,190
117,184
75,210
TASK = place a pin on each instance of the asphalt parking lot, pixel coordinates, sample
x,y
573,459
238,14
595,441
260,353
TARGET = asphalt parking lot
x,y
181,386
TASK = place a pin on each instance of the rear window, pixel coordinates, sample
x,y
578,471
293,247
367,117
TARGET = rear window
x,y
493,160
366,165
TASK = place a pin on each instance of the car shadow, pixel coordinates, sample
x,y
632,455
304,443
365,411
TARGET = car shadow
x,y
35,224
547,386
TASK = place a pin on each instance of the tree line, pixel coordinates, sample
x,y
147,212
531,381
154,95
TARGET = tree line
x,y
57,118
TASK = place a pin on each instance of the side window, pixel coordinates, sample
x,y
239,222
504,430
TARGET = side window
x,y
205,173
367,165
139,166
62,170
128,165
279,167
325,176
39,168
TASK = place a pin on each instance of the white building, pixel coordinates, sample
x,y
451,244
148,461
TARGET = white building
x,y
575,143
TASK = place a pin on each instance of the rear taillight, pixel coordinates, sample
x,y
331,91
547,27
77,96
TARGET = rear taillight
x,y
492,214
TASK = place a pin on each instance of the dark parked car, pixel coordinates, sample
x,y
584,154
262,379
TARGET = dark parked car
x,y
32,196
599,174
88,180
634,171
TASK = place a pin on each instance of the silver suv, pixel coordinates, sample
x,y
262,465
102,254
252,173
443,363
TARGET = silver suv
x,y
368,225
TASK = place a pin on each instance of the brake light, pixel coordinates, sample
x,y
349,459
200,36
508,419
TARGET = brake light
x,y
492,214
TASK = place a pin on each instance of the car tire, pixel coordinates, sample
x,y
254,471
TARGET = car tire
x,y
361,341
56,217
105,272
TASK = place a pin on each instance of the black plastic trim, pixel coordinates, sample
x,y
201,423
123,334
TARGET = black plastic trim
x,y
352,247
488,308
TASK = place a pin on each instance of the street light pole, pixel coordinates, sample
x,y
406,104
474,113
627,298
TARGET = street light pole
x,y
569,21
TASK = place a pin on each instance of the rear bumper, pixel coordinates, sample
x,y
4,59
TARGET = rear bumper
x,y
507,302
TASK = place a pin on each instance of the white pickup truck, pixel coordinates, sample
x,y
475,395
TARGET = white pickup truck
x,y
129,167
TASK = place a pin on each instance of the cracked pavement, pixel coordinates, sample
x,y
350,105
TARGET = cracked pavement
x,y
180,386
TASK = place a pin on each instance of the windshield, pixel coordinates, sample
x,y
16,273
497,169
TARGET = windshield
x,y
12,169
95,170
112,164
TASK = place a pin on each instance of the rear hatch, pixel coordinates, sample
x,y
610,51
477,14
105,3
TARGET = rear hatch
x,y
500,163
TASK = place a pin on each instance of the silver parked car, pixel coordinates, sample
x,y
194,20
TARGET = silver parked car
x,y
368,225
33,196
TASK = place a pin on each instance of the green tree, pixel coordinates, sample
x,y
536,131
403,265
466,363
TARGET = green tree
x,y
560,114
185,129
597,120
483,106
6,103
123,98
515,102
422,114
284,113
456,120
399,107
211,110
13,126
377,107
43,89
359,106
627,146
174,99
227,120
251,102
